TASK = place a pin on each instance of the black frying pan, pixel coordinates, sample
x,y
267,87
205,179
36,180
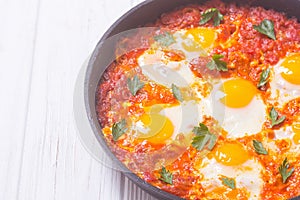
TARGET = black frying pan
x,y
141,14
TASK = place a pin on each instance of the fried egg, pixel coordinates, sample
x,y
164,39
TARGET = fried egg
x,y
192,43
165,73
187,115
165,123
291,134
231,160
285,83
154,127
244,111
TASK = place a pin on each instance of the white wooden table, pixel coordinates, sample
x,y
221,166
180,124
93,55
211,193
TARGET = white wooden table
x,y
43,44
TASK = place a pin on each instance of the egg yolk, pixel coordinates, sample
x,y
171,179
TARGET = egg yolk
x,y
238,93
230,154
159,128
292,66
227,194
296,129
202,38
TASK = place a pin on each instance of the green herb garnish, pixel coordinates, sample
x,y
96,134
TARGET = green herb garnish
x,y
228,182
118,129
274,117
266,27
283,170
176,93
217,64
264,76
211,13
166,176
259,148
134,84
165,39
203,136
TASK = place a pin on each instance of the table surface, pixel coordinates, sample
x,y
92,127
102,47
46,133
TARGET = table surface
x,y
43,44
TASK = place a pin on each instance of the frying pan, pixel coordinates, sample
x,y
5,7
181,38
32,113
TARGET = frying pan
x,y
141,14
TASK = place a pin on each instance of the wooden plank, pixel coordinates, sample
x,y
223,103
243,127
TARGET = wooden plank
x,y
17,46
55,165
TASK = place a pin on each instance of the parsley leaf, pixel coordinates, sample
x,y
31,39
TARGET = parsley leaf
x,y
259,148
217,64
166,176
203,136
212,141
201,129
165,39
283,169
200,141
176,93
211,13
118,129
274,117
207,15
264,76
228,182
134,85
266,27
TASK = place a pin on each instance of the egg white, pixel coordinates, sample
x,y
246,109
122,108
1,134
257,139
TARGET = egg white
x,y
167,73
157,68
238,122
180,39
247,175
186,116
249,120
281,90
288,133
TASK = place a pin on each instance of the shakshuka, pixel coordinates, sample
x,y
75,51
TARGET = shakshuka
x,y
204,102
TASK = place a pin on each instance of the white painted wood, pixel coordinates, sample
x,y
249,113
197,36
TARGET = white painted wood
x,y
42,46
17,45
